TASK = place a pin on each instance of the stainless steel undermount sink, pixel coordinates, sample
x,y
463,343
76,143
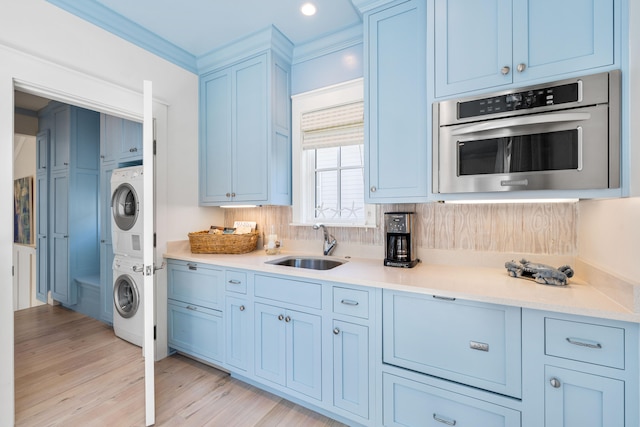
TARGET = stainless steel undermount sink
x,y
313,263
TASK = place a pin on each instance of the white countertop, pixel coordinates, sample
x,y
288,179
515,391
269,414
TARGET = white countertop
x,y
492,285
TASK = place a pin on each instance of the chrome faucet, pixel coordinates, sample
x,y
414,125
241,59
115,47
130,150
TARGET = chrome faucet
x,y
330,242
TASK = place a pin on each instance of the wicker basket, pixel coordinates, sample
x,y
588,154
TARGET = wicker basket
x,y
204,243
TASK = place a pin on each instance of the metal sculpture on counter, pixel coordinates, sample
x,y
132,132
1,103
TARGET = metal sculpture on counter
x,y
540,273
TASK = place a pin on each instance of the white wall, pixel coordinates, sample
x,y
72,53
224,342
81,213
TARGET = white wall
x,y
46,48
24,163
609,230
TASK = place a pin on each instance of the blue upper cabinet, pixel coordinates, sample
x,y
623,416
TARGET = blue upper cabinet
x,y
121,140
473,44
245,129
396,147
490,43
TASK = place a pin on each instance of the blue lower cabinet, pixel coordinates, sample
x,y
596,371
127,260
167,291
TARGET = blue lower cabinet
x,y
237,326
409,403
288,349
472,343
579,399
196,331
351,367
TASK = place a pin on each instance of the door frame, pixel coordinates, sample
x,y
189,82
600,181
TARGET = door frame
x,y
71,87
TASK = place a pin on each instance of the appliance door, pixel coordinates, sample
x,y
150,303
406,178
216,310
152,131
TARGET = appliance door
x,y
565,150
126,297
125,207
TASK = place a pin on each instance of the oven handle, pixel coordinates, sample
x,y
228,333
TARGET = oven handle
x,y
522,121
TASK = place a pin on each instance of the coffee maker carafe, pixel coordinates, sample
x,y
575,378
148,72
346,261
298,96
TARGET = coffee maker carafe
x,y
399,244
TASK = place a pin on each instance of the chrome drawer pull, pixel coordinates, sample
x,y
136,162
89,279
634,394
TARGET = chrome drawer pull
x,y
443,421
235,282
349,302
192,308
192,266
474,345
584,344
444,298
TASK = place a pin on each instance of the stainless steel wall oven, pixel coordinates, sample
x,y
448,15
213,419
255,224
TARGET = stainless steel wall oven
x,y
563,135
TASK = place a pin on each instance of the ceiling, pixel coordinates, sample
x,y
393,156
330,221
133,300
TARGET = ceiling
x,y
29,102
182,31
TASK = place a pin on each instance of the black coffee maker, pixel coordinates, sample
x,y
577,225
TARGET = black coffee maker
x,y
399,244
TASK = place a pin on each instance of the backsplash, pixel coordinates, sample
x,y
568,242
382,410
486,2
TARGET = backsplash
x,y
534,228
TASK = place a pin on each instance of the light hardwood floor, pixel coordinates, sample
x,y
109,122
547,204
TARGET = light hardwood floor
x,y
71,370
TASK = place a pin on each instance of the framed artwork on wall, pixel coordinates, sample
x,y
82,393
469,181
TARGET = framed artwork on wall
x,y
23,210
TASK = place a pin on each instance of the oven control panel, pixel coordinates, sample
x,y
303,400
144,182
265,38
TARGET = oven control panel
x,y
541,97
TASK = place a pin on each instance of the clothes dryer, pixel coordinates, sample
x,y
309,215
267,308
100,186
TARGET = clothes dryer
x,y
128,294
127,204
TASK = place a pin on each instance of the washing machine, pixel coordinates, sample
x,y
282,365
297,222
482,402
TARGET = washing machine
x,y
127,204
128,294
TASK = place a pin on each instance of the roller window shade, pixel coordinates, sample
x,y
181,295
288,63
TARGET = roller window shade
x,y
333,127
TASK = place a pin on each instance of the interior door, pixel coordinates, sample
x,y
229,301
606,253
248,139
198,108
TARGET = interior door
x,y
148,253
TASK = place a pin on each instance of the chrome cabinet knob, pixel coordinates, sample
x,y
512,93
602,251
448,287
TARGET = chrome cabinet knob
x,y
287,319
233,194
521,67
336,331
555,383
241,308
505,70
280,317
373,189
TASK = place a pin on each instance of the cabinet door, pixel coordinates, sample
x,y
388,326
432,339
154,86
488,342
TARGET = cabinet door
x,y
61,286
42,252
106,282
110,137
270,343
396,147
551,37
215,137
304,355
42,151
351,367
61,139
237,328
578,399
195,330
250,131
472,45
131,145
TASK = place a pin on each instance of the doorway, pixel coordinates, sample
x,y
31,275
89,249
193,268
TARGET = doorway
x,y
39,92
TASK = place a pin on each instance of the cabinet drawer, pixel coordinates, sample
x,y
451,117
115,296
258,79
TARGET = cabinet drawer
x,y
351,302
472,343
236,281
195,283
585,342
195,330
411,403
305,294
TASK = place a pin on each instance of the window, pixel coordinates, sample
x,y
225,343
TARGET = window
x,y
328,157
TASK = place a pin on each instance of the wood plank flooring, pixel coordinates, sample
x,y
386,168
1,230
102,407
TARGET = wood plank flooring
x,y
71,370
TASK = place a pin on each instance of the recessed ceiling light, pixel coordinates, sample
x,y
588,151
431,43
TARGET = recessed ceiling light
x,y
308,9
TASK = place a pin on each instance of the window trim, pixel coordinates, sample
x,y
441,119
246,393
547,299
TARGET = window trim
x,y
342,93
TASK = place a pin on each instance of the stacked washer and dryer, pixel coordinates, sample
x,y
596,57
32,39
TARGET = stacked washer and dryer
x,y
126,229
